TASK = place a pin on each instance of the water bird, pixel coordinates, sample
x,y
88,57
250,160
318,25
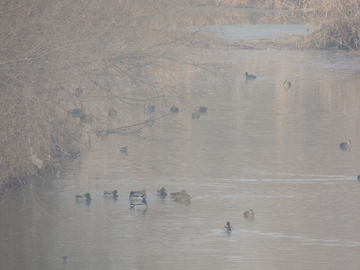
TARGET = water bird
x,y
78,92
123,149
249,214
113,193
65,259
249,77
89,119
195,115
287,85
161,192
77,112
345,145
112,113
136,196
358,177
142,205
201,109
149,109
174,109
182,195
228,226
150,122
86,196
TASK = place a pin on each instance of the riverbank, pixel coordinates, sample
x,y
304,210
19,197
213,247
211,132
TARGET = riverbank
x,y
73,70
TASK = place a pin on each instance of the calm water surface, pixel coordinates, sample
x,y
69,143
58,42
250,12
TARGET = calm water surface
x,y
260,147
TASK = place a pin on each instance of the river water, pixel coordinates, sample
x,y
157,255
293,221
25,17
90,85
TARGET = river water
x,y
259,147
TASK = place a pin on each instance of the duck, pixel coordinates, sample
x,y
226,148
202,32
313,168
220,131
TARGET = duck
x,y
86,196
142,205
345,145
136,196
78,92
249,214
182,195
149,109
228,226
77,113
65,259
112,113
161,192
150,122
88,119
287,85
201,109
113,193
174,109
123,149
358,178
250,76
195,115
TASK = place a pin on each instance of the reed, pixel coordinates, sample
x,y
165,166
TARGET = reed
x,y
339,26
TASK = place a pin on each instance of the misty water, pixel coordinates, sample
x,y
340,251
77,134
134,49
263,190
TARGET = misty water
x,y
258,147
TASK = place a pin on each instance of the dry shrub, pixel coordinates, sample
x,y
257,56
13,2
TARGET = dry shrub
x,y
122,54
339,25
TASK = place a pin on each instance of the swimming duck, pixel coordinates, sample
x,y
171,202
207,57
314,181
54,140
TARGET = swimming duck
x,y
136,196
195,115
123,149
345,145
78,92
249,77
112,113
86,196
249,214
113,193
287,85
149,109
88,119
180,195
228,226
142,205
201,109
77,113
150,122
65,259
161,192
174,109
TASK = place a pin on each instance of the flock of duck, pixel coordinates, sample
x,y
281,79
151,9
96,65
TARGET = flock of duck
x,y
138,198
250,77
138,201
148,109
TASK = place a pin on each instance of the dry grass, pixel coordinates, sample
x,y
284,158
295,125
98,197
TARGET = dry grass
x,y
121,54
338,20
339,26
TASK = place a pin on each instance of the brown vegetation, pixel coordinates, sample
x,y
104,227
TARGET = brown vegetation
x,y
339,26
338,20
67,65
